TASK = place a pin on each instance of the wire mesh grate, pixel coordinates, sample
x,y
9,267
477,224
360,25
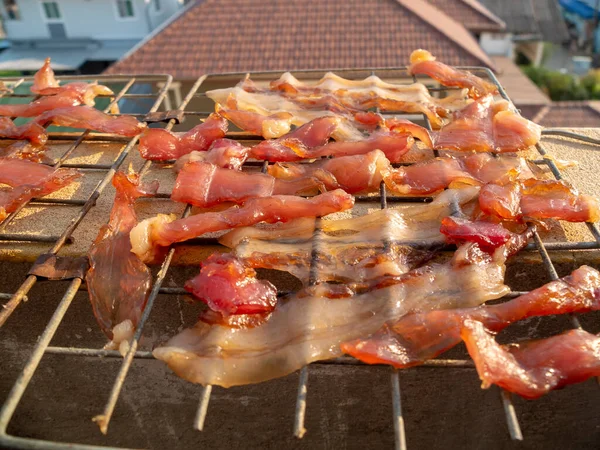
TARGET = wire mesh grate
x,y
302,399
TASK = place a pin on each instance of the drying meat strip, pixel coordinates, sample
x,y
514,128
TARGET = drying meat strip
x,y
118,281
46,84
26,150
436,174
311,324
229,287
423,63
31,131
419,337
269,127
90,118
225,153
350,249
204,184
345,95
482,126
290,147
354,174
28,180
534,368
163,230
407,223
157,144
538,200
37,107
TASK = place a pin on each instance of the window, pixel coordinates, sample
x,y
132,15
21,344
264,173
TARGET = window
x,y
125,9
156,5
12,10
51,10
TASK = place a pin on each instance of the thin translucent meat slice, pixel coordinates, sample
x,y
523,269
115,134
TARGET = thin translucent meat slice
x,y
90,118
162,230
160,145
270,127
534,368
118,281
230,287
419,337
27,180
310,325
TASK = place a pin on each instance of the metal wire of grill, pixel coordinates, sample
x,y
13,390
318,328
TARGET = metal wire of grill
x,y
103,420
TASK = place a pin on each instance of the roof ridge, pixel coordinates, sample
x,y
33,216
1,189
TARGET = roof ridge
x,y
421,8
481,9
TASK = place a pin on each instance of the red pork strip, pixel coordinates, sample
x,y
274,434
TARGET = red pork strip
x,y
229,287
163,231
62,100
89,118
33,132
118,281
440,173
488,235
160,145
419,337
203,184
225,153
28,180
423,63
354,174
534,368
393,145
311,324
289,147
538,199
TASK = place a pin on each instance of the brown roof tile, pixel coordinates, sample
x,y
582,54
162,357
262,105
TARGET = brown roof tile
x,y
472,14
563,114
216,36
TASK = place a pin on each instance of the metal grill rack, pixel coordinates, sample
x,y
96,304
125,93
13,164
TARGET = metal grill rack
x,y
43,346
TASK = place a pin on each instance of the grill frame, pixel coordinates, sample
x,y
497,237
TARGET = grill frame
x,y
43,346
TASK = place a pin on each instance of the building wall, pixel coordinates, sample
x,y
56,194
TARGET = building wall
x,y
94,19
496,44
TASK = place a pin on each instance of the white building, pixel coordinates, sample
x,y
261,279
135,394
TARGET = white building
x,y
79,35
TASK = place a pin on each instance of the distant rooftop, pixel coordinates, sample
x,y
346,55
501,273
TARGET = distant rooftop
x,y
564,114
312,34
531,19
472,14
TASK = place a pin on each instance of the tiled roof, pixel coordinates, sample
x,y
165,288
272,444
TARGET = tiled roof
x,y
217,36
517,85
537,18
472,14
564,114
550,20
